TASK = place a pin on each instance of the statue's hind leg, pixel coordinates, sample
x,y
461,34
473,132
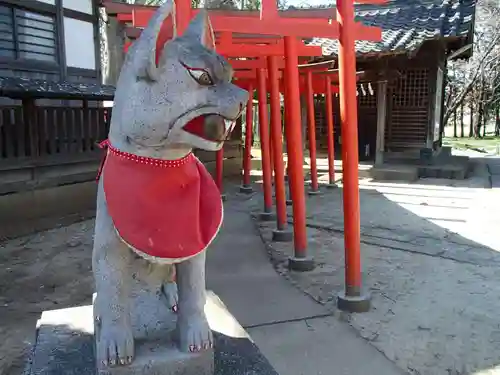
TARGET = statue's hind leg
x,y
192,326
169,289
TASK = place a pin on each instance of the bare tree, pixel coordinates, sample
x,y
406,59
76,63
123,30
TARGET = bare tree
x,y
478,78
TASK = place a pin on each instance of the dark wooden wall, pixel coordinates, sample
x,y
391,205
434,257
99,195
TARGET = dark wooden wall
x,y
51,64
410,102
49,146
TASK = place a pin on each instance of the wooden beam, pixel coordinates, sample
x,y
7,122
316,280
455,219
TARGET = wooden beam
x,y
114,8
381,121
299,27
254,64
247,50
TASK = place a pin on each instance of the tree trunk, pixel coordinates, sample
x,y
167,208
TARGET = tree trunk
x,y
471,119
455,135
477,128
497,121
112,43
462,120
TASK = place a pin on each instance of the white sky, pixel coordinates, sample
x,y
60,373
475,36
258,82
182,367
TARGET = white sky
x,y
307,2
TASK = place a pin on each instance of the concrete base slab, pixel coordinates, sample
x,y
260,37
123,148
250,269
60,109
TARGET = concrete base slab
x,y
313,192
284,235
163,358
356,304
391,172
301,264
321,346
65,346
266,216
246,189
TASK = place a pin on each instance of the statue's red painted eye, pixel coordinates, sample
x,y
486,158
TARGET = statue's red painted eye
x,y
202,77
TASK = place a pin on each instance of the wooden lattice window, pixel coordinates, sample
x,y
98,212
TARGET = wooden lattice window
x,y
412,90
27,35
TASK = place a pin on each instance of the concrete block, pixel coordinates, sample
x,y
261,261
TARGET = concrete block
x,y
161,357
65,346
394,173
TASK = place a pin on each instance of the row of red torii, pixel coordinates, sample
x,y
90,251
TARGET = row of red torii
x,y
265,50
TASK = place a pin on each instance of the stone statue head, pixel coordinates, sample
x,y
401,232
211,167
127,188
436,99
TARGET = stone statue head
x,y
175,95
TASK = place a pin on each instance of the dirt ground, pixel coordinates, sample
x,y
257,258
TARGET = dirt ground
x,y
44,271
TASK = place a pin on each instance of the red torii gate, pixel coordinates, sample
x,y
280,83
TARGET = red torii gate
x,y
271,24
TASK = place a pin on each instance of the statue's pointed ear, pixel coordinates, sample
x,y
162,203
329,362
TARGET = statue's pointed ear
x,y
145,51
200,30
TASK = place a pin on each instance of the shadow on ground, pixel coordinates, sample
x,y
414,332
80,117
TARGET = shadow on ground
x,y
435,291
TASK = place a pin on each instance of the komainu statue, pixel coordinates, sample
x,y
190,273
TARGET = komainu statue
x,y
158,209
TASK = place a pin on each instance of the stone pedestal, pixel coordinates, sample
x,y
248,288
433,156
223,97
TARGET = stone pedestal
x,y
65,345
163,358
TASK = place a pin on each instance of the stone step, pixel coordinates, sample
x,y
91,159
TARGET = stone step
x,y
65,346
390,172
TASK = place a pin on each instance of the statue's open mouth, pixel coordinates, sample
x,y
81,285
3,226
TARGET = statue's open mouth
x,y
210,127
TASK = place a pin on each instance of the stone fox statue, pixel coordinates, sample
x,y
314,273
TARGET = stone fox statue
x,y
157,206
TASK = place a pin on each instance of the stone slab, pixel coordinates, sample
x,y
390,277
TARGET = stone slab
x,y
390,172
321,346
65,345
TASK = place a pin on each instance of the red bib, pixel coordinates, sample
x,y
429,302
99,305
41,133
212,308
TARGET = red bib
x,y
167,209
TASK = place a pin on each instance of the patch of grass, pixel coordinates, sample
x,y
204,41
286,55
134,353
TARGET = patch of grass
x,y
486,143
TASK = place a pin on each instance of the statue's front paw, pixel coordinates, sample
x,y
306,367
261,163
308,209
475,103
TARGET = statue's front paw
x,y
194,334
116,345
170,292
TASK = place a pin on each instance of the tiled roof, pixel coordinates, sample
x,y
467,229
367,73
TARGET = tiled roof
x,y
19,88
406,24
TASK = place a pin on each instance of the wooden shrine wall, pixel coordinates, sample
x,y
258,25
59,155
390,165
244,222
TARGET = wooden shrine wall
x,y
410,97
45,146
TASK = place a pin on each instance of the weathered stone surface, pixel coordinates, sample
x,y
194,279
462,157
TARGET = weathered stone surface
x,y
394,173
65,346
162,357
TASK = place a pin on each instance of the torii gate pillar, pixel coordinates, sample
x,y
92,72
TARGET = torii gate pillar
x,y
301,261
352,299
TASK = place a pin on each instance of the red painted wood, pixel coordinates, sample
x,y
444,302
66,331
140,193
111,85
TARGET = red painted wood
x,y
182,14
124,17
311,130
113,8
254,64
349,128
251,74
298,27
249,50
141,17
293,133
330,131
269,10
276,144
264,140
247,152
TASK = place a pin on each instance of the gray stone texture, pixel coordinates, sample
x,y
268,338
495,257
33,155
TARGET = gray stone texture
x,y
64,346
158,93
162,357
